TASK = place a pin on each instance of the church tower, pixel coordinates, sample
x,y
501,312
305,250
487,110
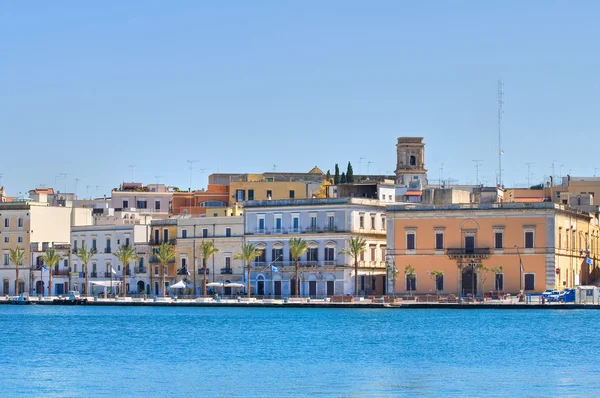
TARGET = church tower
x,y
410,163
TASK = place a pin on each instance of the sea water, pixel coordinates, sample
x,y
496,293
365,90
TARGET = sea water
x,y
56,351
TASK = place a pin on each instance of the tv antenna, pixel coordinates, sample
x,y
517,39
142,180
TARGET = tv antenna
x,y
132,167
1,174
477,165
202,177
158,179
87,189
529,174
369,163
360,160
76,183
500,112
191,167
65,175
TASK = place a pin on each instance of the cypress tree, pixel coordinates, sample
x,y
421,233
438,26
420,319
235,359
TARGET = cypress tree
x,y
343,179
349,173
328,176
336,176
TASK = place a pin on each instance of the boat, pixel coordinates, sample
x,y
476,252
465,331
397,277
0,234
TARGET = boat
x,y
73,298
23,299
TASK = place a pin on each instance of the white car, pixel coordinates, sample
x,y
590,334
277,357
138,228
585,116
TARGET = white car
x,y
548,292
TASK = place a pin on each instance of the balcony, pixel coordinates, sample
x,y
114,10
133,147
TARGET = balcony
x,y
93,274
201,271
312,230
154,242
474,253
154,259
108,274
128,273
107,250
330,229
61,272
141,270
226,271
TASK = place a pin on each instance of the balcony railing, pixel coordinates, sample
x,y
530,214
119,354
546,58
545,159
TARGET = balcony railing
x,y
108,274
61,272
312,230
93,274
462,252
154,259
154,242
107,250
226,271
201,271
141,270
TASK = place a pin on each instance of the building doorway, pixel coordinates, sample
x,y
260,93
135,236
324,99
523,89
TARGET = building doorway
x,y
293,287
469,244
330,288
141,286
39,287
277,288
312,288
469,281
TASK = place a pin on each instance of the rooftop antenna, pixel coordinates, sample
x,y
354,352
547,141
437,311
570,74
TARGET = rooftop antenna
x,y
97,186
360,165
1,174
191,162
274,168
595,169
76,183
87,189
529,174
132,167
441,174
500,112
202,177
65,175
368,166
158,179
553,175
477,170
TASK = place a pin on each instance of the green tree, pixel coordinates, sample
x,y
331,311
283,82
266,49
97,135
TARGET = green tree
x,y
126,254
207,250
497,270
247,255
336,176
343,179
85,256
298,247
410,273
483,271
349,173
356,247
51,258
17,255
328,176
392,273
165,254
435,276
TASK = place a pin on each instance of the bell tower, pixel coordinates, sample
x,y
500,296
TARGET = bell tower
x,y
410,162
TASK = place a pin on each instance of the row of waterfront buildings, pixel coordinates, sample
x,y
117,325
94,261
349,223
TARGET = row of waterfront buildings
x,y
419,238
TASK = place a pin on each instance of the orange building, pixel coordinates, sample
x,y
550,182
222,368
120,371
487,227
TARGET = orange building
x,y
492,247
195,203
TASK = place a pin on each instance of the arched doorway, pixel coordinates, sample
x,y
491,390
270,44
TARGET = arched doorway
x,y
469,281
141,286
260,285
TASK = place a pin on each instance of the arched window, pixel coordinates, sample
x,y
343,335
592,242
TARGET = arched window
x,y
413,160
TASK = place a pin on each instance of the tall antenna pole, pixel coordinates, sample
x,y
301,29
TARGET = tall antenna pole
x,y
191,162
500,151
87,190
132,167
360,165
65,175
369,166
1,174
529,174
477,171
441,175
76,183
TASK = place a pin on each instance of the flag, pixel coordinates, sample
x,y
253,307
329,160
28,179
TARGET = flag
x,y
501,151
113,270
589,261
521,265
44,269
274,268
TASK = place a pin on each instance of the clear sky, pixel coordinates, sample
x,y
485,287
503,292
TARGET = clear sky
x,y
89,88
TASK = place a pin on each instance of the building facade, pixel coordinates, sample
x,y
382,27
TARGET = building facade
x,y
327,226
492,247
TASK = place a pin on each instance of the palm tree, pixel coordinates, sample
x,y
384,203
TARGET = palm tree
x,y
51,258
356,247
164,255
17,256
298,247
126,254
207,249
85,256
249,252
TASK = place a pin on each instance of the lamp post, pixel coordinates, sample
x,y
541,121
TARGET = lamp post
x,y
392,271
473,265
520,270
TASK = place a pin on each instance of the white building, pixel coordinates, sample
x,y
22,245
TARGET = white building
x,y
152,199
107,239
327,225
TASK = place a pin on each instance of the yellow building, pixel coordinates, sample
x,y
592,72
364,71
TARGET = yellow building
x,y
492,247
264,190
162,231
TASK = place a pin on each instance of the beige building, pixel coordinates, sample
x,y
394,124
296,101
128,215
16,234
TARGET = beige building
x,y
34,227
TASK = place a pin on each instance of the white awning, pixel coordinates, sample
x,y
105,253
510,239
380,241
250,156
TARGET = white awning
x,y
105,283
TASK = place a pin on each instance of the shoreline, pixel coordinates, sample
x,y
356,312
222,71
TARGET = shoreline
x,y
303,303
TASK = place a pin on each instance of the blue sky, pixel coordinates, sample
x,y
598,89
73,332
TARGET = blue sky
x,y
89,88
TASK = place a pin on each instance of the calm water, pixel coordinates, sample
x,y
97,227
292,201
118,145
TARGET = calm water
x,y
224,352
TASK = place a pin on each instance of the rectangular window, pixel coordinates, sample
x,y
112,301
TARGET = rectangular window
x,y
251,194
529,239
278,223
329,254
6,258
295,223
165,235
6,239
20,223
269,194
240,195
228,232
498,240
142,204
372,253
107,246
529,281
312,254
276,255
331,222
313,222
439,283
205,232
372,221
94,244
469,244
157,205
184,233
361,221
6,223
410,241
125,204
126,241
383,222
292,194
75,246
261,223
411,283
439,241
227,262
499,282
20,239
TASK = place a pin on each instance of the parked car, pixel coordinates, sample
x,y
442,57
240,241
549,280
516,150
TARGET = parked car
x,y
548,292
564,296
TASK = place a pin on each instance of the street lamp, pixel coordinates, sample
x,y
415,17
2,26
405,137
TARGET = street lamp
x,y
473,265
520,270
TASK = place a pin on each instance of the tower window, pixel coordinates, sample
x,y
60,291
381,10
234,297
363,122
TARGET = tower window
x,y
413,160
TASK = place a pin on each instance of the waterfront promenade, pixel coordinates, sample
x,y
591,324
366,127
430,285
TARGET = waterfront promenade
x,y
378,302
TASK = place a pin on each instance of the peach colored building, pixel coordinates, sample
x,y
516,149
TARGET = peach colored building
x,y
554,243
195,203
